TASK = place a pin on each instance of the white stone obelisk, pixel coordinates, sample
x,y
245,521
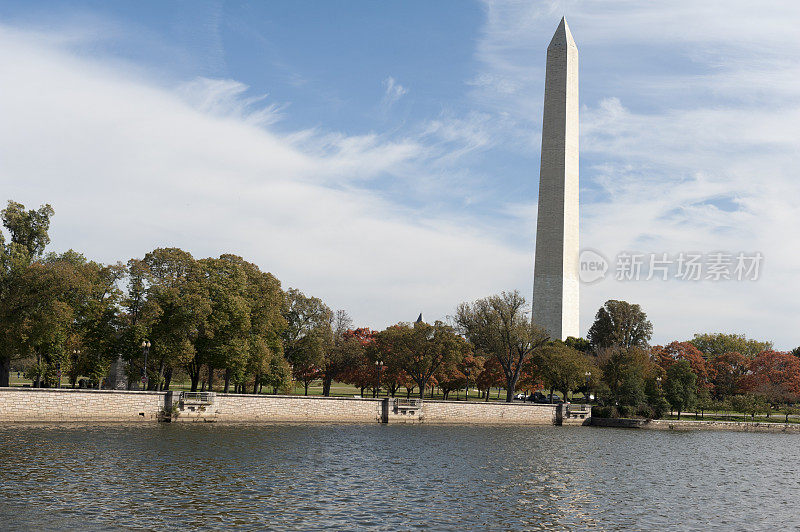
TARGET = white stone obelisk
x,y
555,275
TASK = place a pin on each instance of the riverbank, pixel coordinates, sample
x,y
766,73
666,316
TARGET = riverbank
x,y
690,424
70,405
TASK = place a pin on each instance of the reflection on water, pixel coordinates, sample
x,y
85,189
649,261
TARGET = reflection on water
x,y
395,477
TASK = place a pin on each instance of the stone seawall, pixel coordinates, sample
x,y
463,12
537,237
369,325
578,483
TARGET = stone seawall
x,y
476,412
64,404
34,404
264,408
690,424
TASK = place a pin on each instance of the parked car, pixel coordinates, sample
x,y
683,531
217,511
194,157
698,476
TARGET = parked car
x,y
538,397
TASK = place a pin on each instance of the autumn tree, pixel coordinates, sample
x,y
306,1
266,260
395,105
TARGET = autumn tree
x,y
490,376
500,326
727,371
341,352
677,351
775,376
621,324
420,349
361,372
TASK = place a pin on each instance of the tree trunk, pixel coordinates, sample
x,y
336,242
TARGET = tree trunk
x,y
167,378
305,384
160,376
210,379
255,384
195,378
486,395
227,380
326,385
5,372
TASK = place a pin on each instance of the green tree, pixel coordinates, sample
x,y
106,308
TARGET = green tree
x,y
562,367
178,306
499,326
625,372
307,335
581,344
420,349
619,323
681,387
749,403
716,344
22,291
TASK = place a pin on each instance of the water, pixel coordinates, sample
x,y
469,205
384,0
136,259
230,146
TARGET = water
x,y
378,477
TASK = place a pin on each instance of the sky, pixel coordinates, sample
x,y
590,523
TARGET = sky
x,y
385,156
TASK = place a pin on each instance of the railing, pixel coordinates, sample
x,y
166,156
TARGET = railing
x,y
408,404
581,411
202,398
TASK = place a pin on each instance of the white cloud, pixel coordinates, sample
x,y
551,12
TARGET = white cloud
x,y
393,91
130,165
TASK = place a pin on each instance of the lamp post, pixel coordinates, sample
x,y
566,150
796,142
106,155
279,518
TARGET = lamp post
x,y
76,353
588,376
145,351
378,365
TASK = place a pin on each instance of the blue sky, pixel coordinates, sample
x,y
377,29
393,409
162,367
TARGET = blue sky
x,y
384,156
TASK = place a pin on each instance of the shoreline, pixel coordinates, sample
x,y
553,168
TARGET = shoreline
x,y
686,425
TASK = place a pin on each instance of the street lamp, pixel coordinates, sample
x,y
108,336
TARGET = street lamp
x,y
378,364
76,353
588,376
145,351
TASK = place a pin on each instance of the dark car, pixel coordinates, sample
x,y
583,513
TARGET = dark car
x,y
538,397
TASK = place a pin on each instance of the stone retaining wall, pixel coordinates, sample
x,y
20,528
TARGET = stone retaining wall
x,y
690,424
476,412
65,404
263,408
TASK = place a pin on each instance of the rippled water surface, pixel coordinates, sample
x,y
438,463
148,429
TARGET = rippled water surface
x,y
381,477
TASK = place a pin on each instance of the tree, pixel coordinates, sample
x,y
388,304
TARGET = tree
x,y
716,344
28,228
680,387
341,352
500,327
179,305
677,351
562,368
581,344
21,291
307,335
619,323
749,403
727,371
223,339
774,375
361,372
420,349
625,372
490,376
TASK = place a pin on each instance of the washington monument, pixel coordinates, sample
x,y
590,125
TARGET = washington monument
x,y
555,274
